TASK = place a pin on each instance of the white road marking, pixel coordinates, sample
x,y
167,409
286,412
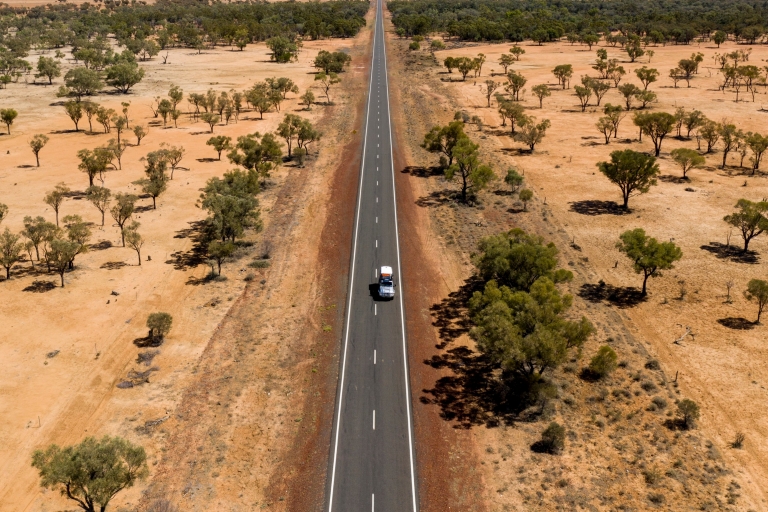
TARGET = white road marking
x,y
377,220
377,183
377,243
374,356
402,313
351,287
375,309
374,419
372,502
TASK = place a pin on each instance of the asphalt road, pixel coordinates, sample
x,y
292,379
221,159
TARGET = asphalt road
x,y
371,465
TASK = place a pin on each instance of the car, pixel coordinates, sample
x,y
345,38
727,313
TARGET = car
x,y
386,283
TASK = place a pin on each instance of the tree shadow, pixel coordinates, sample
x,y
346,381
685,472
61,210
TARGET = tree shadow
x,y
594,207
436,198
144,208
619,296
422,172
205,160
730,252
147,341
102,245
113,265
182,260
40,287
25,166
668,178
736,323
476,393
450,314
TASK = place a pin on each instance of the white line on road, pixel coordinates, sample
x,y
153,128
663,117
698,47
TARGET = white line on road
x,y
374,419
375,310
374,356
373,501
377,220
377,243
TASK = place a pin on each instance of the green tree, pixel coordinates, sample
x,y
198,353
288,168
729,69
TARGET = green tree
x,y
3,212
79,232
332,61
93,472
632,171
140,132
605,126
219,251
513,111
81,82
90,109
634,50
687,159
689,413
513,179
719,37
583,94
99,197
590,40
504,60
465,66
74,110
603,363
210,119
55,198
306,135
220,143
630,92
516,259
516,82
657,125
517,52
443,139
288,129
759,145
649,257
326,82
563,73
283,49
749,219
123,76
531,133
122,210
36,230
688,67
473,174
37,143
541,91
553,438
260,153
308,98
159,325
10,251
525,196
7,116
93,163
133,238
525,332
155,183
231,203
60,255
49,68
757,291
730,135
647,75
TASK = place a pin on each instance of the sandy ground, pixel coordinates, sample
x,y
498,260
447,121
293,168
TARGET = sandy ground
x,y
719,368
66,397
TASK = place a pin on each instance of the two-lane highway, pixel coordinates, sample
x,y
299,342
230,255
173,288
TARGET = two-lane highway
x,y
372,457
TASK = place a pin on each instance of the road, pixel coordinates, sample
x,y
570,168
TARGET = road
x,y
371,464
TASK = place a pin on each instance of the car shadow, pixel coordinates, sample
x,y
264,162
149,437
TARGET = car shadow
x,y
373,290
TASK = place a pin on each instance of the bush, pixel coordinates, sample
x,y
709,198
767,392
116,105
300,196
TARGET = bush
x,y
414,46
653,365
738,441
659,402
553,438
689,413
604,362
159,325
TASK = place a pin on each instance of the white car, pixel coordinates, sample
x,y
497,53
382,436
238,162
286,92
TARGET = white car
x,y
386,283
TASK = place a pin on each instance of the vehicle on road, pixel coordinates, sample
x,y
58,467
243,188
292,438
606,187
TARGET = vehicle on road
x,y
386,283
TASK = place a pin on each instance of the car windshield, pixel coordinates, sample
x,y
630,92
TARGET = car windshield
x,y
386,280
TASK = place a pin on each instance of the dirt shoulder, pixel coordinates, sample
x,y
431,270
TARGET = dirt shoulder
x,y
623,451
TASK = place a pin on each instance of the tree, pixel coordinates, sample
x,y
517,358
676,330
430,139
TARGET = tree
x,y
590,40
99,197
220,143
231,203
553,438
7,116
541,91
81,82
37,143
525,196
176,94
648,256
505,61
219,251
474,175
49,68
283,49
603,363
37,230
10,251
630,92
749,219
93,163
465,65
79,232
134,239
93,472
513,111
327,81
693,120
688,68
531,133
647,76
124,75
332,61
3,212
515,84
288,129
443,139
605,126
260,153
614,114
90,109
210,119
140,132
513,179
55,197
597,87
657,126
584,94
563,73
122,210
308,98
60,255
450,63
516,259
688,410
634,50
719,37
516,52
306,135
155,183
687,159
759,145
525,332
730,135
632,171
490,87
710,132
74,110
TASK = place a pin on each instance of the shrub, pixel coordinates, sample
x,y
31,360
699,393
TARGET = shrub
x,y
738,441
159,325
603,363
553,438
659,402
688,411
414,46
653,365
